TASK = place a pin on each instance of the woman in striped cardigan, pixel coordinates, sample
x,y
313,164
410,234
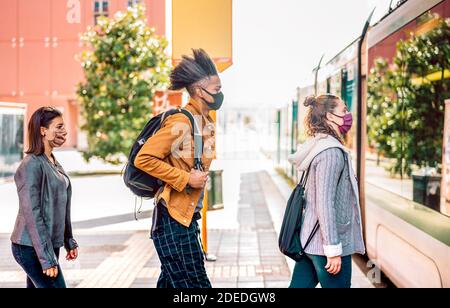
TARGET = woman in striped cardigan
x,y
332,198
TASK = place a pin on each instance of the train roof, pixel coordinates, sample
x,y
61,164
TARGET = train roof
x,y
397,17
391,11
351,45
404,13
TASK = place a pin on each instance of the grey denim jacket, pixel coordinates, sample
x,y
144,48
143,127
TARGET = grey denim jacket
x,y
43,221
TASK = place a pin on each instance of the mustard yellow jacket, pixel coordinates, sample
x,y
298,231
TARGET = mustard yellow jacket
x,y
169,156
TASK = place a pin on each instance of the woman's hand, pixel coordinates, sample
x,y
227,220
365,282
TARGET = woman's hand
x,y
51,272
334,265
72,255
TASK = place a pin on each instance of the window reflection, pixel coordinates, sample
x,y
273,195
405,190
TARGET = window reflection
x,y
406,107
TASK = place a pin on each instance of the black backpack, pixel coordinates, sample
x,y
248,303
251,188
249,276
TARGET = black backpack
x,y
141,183
289,239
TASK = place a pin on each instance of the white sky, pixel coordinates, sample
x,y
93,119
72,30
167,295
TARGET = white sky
x,y
277,43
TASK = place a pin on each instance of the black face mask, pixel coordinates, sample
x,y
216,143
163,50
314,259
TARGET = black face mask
x,y
218,100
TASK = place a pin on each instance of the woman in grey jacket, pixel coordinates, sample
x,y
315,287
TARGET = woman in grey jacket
x,y
43,223
332,198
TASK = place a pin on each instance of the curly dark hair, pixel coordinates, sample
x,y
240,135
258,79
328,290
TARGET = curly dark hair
x,y
192,70
316,120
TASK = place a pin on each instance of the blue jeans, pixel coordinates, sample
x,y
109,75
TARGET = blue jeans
x,y
27,258
311,270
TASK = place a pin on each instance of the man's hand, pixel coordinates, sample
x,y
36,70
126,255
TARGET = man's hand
x,y
197,179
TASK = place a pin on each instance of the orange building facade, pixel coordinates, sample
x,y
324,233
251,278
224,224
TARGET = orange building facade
x,y
39,49
39,44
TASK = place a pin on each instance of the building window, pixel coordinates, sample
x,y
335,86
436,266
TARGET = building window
x,y
133,2
101,8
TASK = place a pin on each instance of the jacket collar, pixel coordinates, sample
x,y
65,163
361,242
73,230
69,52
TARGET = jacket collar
x,y
195,107
313,147
44,159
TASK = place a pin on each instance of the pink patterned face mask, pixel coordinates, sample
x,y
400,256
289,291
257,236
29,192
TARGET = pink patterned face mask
x,y
348,122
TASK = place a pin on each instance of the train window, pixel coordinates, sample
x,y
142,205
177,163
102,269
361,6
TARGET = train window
x,y
322,87
335,84
348,90
408,148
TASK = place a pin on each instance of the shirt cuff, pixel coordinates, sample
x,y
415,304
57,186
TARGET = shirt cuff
x,y
332,251
71,244
50,261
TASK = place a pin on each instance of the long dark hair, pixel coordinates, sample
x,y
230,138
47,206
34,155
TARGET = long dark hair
x,y
42,117
316,120
191,70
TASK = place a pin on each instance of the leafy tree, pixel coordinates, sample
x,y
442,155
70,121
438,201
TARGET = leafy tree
x,y
124,66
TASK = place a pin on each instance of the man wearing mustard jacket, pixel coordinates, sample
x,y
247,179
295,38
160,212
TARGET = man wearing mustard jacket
x,y
169,156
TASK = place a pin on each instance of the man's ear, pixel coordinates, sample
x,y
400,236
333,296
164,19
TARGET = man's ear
x,y
199,92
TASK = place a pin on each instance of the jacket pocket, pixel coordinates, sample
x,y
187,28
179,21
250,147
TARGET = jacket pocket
x,y
344,215
344,233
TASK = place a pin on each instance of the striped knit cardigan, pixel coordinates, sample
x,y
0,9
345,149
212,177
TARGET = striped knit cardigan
x,y
331,199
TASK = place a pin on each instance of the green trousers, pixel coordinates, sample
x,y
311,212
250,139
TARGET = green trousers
x,y
311,270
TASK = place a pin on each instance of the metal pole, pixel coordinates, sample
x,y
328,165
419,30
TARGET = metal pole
x,y
208,256
205,223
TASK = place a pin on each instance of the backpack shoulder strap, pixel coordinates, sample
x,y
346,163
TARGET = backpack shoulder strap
x,y
305,175
198,140
345,163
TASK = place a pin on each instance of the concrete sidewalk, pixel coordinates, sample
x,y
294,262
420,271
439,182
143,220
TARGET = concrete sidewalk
x,y
116,250
248,255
